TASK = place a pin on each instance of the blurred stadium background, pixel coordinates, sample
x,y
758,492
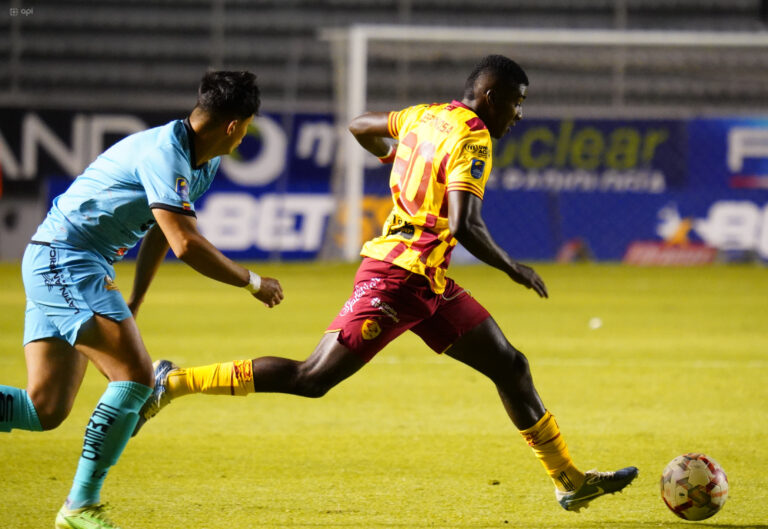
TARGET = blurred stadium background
x,y
645,138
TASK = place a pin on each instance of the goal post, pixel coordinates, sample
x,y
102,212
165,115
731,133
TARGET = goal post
x,y
352,50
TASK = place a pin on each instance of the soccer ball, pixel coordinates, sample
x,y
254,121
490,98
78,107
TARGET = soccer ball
x,y
694,486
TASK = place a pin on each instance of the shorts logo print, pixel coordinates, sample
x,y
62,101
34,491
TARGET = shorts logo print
x,y
370,329
53,279
386,309
360,291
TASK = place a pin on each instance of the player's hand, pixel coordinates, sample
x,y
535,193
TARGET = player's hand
x,y
526,276
270,292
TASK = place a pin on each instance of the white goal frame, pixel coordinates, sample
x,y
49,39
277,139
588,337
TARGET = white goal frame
x,y
354,72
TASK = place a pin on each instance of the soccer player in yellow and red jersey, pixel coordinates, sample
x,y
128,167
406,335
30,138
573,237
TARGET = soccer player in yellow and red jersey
x,y
441,162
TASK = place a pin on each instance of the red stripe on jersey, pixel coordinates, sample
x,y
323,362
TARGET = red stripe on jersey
x,y
430,271
444,206
459,104
441,170
476,124
447,258
426,244
395,252
430,221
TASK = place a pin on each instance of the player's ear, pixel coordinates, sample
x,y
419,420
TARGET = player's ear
x,y
491,97
231,126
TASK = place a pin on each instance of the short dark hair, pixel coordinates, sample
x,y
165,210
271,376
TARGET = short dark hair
x,y
229,94
502,67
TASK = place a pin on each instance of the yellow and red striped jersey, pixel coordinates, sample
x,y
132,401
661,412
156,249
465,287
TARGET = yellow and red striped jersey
x,y
441,148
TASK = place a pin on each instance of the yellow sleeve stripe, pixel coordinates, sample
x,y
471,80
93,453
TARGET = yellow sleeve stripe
x,y
392,124
461,186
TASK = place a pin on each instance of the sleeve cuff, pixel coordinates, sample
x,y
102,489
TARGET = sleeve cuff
x,y
174,209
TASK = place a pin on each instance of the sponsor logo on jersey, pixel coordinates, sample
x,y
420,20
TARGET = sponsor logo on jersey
x,y
402,228
477,168
182,189
370,330
480,151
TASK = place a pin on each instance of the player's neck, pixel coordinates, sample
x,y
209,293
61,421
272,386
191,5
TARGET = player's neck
x,y
470,103
475,106
204,139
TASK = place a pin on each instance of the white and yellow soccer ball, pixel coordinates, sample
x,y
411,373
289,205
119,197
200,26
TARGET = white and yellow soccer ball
x,y
694,486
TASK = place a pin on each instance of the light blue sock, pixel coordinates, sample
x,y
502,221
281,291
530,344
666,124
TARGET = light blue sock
x,y
17,411
106,434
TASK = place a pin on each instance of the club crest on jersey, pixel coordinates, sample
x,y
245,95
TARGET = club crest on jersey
x,y
182,189
109,284
370,330
477,168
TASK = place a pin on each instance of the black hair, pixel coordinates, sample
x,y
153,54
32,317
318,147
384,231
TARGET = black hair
x,y
228,95
505,69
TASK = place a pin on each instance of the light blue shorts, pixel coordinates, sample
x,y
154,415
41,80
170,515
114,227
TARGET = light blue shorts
x,y
65,288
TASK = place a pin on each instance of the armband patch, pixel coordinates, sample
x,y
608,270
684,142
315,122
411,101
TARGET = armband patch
x,y
477,168
182,189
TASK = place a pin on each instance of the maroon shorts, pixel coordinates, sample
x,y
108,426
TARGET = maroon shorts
x,y
389,300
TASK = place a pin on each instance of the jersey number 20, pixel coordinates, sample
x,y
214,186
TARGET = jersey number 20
x,y
404,169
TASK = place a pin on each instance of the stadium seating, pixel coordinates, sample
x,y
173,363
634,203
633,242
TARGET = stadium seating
x,y
148,54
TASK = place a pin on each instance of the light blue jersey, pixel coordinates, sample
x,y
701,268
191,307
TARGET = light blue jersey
x,y
67,270
107,209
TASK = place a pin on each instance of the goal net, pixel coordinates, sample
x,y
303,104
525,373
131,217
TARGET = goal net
x,y
605,135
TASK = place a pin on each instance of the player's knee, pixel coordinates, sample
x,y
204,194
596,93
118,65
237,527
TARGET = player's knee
x,y
141,374
515,367
521,372
311,383
520,364
51,412
146,376
313,389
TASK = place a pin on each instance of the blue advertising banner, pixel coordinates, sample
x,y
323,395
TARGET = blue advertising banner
x,y
597,186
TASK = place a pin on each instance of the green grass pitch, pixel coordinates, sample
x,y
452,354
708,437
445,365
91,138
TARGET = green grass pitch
x,y
416,440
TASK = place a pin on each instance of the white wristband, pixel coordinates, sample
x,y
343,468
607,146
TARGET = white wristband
x,y
254,283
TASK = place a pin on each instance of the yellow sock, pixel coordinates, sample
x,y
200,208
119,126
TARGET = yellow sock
x,y
228,378
549,446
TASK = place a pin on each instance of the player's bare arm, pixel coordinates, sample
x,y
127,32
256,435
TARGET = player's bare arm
x,y
369,130
189,245
153,250
467,225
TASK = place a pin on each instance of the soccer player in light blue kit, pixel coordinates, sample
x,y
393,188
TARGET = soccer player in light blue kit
x,y
142,187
